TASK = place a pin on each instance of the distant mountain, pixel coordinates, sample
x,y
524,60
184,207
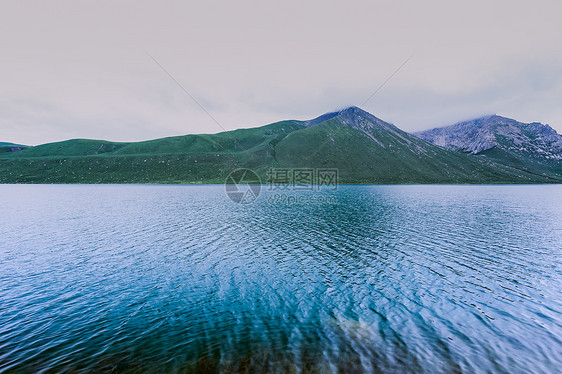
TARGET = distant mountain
x,y
362,147
533,147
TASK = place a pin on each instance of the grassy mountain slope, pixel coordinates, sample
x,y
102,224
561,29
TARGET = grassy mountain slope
x,y
11,147
181,159
364,148
368,150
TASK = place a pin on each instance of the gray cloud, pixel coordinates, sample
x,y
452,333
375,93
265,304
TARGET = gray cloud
x,y
81,69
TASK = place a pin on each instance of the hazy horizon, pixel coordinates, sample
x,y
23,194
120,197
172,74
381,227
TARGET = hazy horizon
x,y
86,70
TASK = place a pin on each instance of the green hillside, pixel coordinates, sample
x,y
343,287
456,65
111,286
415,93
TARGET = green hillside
x,y
362,147
11,147
400,158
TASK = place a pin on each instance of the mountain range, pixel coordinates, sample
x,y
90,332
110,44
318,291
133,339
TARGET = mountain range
x,y
364,149
526,146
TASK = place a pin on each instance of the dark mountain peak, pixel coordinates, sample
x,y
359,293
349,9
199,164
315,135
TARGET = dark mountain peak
x,y
353,110
381,132
350,111
351,116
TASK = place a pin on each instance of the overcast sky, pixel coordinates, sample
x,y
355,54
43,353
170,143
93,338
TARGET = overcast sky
x,y
82,69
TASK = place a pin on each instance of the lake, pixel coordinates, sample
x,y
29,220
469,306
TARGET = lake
x,y
180,279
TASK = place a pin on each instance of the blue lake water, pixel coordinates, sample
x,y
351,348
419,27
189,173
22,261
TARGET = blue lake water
x,y
179,279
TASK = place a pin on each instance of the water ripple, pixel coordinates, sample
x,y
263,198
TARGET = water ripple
x,y
388,279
